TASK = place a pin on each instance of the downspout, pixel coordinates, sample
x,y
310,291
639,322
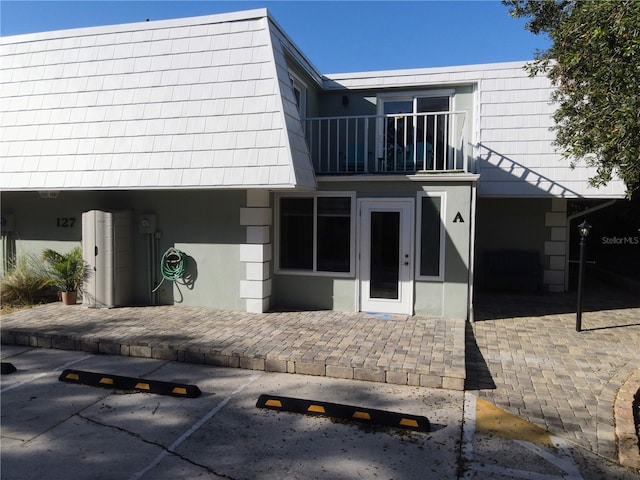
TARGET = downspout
x,y
473,166
149,263
568,234
154,270
472,250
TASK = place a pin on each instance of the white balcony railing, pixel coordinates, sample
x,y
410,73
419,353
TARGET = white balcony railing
x,y
398,143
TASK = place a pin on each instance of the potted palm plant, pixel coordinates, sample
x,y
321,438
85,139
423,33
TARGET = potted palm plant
x,y
68,272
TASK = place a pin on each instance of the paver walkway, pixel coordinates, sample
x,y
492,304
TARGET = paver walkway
x,y
396,349
524,355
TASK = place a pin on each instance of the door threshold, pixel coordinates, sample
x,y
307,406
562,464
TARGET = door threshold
x,y
387,316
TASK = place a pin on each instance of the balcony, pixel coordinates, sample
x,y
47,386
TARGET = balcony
x,y
408,143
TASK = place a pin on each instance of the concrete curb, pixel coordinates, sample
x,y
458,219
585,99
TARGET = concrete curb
x,y
232,359
626,437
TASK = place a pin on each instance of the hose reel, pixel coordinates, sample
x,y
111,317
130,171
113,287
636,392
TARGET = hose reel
x,y
172,266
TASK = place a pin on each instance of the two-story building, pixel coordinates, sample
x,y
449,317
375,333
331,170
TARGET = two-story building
x,y
278,186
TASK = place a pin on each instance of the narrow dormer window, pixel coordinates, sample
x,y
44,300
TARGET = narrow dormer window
x,y
300,93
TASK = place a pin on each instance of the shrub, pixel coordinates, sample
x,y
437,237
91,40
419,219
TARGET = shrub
x,y
27,282
67,270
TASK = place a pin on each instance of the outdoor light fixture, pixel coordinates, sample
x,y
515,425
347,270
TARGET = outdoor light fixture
x,y
48,193
584,229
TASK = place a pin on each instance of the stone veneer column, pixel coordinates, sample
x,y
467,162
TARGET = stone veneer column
x,y
555,249
256,252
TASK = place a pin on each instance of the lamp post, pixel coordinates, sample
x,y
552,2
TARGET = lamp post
x,y
584,229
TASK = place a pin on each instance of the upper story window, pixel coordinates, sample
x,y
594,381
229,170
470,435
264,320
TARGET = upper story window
x,y
300,93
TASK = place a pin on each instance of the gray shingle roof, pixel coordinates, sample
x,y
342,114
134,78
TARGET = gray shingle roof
x,y
204,102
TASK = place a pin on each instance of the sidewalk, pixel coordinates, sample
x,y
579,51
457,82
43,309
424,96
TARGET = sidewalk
x,y
522,353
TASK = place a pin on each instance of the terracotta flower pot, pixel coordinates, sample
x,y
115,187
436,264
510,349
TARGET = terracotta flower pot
x,y
69,298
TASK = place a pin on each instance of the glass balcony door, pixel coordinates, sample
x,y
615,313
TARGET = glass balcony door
x,y
415,133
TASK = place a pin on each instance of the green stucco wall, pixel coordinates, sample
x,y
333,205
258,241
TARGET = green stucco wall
x,y
448,297
307,292
203,224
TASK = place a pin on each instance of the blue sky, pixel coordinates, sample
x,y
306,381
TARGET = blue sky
x,y
336,36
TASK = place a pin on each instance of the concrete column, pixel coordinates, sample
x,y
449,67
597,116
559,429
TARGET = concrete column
x,y
256,252
555,248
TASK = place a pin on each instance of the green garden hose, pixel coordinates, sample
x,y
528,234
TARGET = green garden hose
x,y
172,266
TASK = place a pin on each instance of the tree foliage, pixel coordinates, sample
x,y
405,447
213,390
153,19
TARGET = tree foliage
x,y
594,63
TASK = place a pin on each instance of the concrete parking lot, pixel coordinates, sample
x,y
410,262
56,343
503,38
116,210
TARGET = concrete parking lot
x,y
53,429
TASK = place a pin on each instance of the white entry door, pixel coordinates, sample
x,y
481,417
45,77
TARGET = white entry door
x,y
386,255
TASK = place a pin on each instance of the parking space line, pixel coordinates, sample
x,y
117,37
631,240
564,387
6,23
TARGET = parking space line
x,y
563,460
44,374
209,415
468,427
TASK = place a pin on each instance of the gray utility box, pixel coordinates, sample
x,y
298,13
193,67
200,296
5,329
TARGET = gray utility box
x,y
107,247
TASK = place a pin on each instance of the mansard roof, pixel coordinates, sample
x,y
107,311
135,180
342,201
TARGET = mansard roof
x,y
203,102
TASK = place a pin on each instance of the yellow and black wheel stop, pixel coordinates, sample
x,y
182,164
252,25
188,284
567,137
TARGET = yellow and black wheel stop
x,y
7,368
129,383
345,412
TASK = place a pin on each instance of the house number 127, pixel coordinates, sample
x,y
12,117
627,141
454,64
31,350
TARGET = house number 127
x,y
65,222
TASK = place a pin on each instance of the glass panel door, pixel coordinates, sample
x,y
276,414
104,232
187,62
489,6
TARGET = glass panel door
x,y
432,133
412,141
398,134
386,255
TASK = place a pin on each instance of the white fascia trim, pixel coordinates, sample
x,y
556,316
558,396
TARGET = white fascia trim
x,y
462,74
480,67
545,195
438,177
292,49
126,27
92,188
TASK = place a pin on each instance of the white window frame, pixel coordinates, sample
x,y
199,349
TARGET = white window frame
x,y
314,271
301,86
443,230
412,96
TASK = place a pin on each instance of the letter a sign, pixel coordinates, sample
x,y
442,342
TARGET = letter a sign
x,y
458,218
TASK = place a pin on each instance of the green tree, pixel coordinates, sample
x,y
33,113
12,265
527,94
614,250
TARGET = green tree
x,y
594,63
